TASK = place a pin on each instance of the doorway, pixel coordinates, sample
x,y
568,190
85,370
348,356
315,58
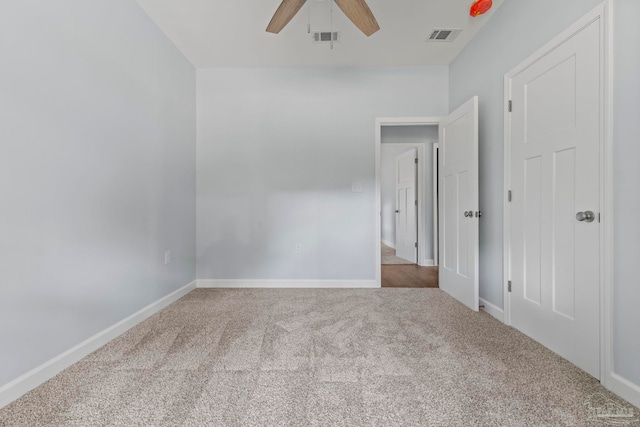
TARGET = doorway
x,y
458,214
408,204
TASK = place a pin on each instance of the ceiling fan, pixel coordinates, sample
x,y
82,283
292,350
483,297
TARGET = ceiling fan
x,y
356,10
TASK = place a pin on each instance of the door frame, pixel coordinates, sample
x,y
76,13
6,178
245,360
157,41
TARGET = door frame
x,y
400,121
603,13
436,202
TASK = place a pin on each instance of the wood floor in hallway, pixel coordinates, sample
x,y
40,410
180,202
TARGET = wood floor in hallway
x,y
409,276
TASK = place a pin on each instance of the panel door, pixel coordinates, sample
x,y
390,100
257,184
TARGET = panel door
x,y
406,207
555,167
459,213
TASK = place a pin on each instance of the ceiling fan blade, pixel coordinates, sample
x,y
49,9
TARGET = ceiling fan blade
x,y
286,11
360,14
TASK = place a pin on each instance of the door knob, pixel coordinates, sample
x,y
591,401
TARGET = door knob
x,y
468,214
587,216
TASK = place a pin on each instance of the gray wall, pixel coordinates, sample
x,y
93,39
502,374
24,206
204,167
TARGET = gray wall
x,y
425,135
278,151
626,176
517,30
97,172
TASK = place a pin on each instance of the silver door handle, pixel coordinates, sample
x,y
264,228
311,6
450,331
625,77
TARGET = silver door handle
x,y
587,216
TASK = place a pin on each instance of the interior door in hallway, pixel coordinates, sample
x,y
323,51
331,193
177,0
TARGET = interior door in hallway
x,y
458,204
406,207
555,165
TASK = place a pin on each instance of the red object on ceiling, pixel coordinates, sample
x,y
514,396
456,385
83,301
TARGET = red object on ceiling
x,y
480,6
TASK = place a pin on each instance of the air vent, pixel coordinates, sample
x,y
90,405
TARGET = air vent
x,y
325,36
443,35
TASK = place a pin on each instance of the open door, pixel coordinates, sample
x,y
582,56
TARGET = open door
x,y
406,206
459,212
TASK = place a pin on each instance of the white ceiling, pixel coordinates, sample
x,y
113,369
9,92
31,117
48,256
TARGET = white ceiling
x,y
231,33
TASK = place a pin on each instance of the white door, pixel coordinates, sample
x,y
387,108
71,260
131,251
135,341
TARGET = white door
x,y
406,207
459,213
555,141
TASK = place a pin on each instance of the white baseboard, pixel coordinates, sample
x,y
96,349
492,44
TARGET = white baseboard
x,y
492,310
427,263
32,379
624,388
240,283
388,243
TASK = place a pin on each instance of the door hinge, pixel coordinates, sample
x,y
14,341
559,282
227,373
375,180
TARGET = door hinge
x,y
510,106
509,286
416,244
509,196
416,159
416,203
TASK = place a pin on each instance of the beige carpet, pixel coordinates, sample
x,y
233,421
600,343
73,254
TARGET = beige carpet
x,y
389,256
384,357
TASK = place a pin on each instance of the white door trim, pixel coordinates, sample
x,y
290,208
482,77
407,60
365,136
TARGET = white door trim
x,y
400,121
602,12
436,254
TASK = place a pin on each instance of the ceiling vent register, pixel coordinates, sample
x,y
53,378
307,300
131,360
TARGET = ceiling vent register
x,y
439,35
325,36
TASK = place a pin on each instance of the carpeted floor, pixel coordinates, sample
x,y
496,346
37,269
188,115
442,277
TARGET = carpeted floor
x,y
383,357
389,256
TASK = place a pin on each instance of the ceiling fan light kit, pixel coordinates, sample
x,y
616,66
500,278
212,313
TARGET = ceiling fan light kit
x,y
357,11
